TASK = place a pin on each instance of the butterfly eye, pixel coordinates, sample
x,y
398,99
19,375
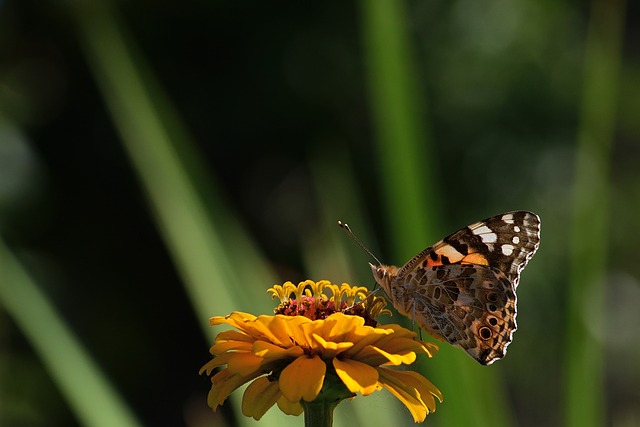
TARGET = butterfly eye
x,y
493,321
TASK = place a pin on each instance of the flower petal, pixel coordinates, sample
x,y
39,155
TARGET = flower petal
x,y
223,346
303,378
257,327
233,335
412,389
244,363
290,408
432,348
223,384
234,319
391,359
400,345
398,331
272,352
260,328
259,397
409,397
358,377
220,360
363,337
330,349
338,326
286,330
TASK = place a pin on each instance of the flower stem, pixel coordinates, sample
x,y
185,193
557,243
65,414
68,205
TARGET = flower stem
x,y
318,414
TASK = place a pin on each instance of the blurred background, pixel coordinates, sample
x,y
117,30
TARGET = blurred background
x,y
161,163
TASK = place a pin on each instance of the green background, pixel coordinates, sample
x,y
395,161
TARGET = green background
x,y
163,162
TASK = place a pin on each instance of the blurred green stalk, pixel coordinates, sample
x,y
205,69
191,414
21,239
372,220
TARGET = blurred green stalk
x,y
91,396
221,268
189,212
405,153
584,357
411,198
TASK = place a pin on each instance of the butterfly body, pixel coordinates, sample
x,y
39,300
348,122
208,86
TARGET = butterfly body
x,y
462,290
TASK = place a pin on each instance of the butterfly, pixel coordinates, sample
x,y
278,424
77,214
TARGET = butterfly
x,y
462,290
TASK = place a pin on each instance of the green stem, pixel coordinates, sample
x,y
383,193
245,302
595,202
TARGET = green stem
x,y
318,414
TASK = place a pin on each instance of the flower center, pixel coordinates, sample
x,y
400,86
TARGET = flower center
x,y
309,300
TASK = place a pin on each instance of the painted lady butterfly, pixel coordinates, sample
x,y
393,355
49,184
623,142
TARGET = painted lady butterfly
x,y
462,290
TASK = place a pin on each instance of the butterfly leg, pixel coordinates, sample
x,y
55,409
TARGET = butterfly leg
x,y
376,288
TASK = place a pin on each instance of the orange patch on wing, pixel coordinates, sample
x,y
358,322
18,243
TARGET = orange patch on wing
x,y
432,263
451,253
475,258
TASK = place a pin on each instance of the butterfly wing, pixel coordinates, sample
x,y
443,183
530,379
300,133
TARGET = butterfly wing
x,y
470,306
506,242
462,289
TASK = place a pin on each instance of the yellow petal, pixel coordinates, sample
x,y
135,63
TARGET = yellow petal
x,y
358,377
224,383
279,330
223,346
234,319
214,392
290,408
330,349
303,378
220,360
400,345
287,330
337,327
407,395
327,328
233,335
415,391
391,359
260,328
398,331
256,327
431,348
244,363
212,397
271,352
428,387
259,397
363,337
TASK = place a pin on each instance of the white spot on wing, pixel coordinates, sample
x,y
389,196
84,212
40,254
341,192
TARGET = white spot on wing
x,y
482,230
486,234
515,240
507,249
508,218
489,238
516,229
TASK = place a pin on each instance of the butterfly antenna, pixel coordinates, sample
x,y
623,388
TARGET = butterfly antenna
x,y
346,228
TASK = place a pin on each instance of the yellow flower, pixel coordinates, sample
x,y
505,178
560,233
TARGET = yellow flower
x,y
326,349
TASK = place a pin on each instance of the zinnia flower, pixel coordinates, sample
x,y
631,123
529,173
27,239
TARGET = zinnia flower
x,y
317,349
